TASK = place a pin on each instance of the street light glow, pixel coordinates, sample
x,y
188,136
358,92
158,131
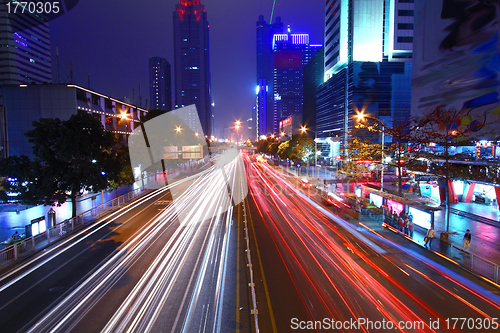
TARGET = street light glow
x,y
360,116
303,129
196,134
178,129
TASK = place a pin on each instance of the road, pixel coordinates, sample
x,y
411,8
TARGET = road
x,y
336,271
156,265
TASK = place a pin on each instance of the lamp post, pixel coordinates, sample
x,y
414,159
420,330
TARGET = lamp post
x,y
303,129
361,117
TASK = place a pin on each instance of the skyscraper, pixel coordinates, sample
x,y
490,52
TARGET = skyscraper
x,y
160,87
313,77
25,48
291,53
368,53
265,65
191,60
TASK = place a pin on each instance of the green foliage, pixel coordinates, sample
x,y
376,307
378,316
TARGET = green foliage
x,y
402,142
284,150
70,156
303,150
272,147
359,150
28,176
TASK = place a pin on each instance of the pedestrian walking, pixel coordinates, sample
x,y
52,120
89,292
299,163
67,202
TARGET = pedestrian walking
x,y
410,226
430,236
467,239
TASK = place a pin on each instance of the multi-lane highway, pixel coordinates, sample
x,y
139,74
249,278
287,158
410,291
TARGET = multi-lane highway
x,y
155,265
163,265
342,274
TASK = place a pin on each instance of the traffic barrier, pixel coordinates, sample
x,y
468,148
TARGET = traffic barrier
x,y
32,244
475,263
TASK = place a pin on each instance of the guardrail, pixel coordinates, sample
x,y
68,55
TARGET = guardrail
x,y
475,263
254,311
32,244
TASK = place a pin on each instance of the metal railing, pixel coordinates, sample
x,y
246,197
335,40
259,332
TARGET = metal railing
x,y
34,243
475,263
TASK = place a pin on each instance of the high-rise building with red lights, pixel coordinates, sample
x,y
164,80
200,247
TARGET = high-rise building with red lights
x,y
265,66
192,61
291,53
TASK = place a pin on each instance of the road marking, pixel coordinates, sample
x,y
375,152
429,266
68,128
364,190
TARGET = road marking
x,y
238,272
266,291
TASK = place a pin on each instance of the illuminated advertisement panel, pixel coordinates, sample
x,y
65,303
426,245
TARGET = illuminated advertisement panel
x,y
395,206
420,217
376,199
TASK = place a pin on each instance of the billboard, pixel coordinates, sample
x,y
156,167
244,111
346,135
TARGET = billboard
x,y
456,60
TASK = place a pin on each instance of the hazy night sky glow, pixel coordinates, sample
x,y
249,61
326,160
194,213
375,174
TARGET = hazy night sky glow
x,y
113,40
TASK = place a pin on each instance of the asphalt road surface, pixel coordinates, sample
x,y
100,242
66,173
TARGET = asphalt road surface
x,y
339,278
152,266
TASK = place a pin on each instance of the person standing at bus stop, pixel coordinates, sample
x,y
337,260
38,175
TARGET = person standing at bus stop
x,y
467,239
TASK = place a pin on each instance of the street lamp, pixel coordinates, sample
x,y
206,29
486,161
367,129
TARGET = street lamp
x,y
237,126
303,129
178,129
361,117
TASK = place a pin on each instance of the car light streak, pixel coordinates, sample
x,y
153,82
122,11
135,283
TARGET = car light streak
x,y
329,275
144,303
72,241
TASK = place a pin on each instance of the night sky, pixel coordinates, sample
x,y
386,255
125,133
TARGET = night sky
x,y
112,40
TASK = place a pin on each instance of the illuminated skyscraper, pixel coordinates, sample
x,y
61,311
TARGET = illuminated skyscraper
x,y
25,48
365,30
367,63
160,87
265,65
291,53
191,60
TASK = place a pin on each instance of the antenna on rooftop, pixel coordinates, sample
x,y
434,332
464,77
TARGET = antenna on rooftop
x,y
140,97
58,78
272,11
70,73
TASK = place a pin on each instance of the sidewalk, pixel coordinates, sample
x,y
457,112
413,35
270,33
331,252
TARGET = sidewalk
x,y
10,221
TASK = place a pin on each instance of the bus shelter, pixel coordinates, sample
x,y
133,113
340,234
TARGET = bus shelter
x,y
423,215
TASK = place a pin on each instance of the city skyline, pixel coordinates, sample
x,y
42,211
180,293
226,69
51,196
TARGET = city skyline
x,y
140,32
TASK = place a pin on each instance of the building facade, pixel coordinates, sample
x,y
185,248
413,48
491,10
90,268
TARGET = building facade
x,y
313,77
192,62
367,63
291,53
24,48
265,73
24,104
160,84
